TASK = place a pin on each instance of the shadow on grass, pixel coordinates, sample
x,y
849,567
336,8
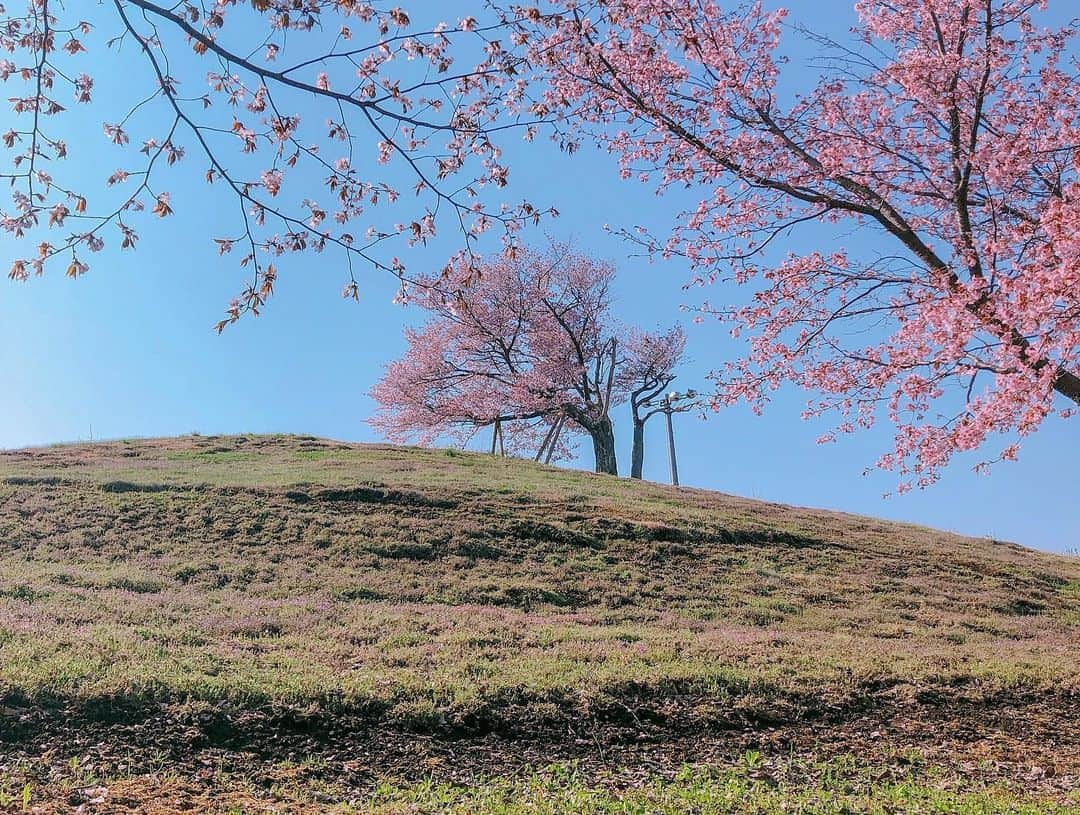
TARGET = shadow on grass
x,y
658,711
622,714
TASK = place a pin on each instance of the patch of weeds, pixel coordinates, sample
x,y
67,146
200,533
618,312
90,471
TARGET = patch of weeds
x,y
1022,607
17,797
133,584
128,486
476,549
361,593
405,550
527,598
185,573
34,481
256,629
762,617
749,787
315,455
22,592
375,495
551,533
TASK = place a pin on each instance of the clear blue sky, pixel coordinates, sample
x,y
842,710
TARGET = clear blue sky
x,y
128,351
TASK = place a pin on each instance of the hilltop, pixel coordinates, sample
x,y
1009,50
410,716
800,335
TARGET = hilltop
x,y
239,623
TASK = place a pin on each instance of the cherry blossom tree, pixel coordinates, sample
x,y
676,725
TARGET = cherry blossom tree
x,y
645,373
446,386
950,131
260,96
525,340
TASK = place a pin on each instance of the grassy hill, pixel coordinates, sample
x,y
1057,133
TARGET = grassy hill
x,y
289,624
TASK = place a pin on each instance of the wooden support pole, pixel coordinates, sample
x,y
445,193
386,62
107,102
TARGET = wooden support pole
x,y
547,440
555,439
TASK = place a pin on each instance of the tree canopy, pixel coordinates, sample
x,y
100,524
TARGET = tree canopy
x,y
522,343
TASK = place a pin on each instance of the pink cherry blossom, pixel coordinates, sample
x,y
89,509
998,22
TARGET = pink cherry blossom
x,y
526,342
952,138
224,67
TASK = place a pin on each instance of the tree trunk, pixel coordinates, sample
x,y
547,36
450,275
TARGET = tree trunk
x,y
1068,384
637,455
603,437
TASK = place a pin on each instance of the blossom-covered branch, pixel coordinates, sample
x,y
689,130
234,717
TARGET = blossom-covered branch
x,y
950,136
366,89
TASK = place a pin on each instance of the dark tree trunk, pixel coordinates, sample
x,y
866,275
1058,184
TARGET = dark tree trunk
x,y
637,455
1068,384
603,437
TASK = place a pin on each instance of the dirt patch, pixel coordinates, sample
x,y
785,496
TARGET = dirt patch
x,y
1003,737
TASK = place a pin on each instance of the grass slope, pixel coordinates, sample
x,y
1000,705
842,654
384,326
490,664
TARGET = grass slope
x,y
236,624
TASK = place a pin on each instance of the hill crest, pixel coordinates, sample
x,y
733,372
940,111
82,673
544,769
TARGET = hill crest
x,y
259,597
288,460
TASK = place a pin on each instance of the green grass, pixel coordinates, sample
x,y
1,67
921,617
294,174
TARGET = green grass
x,y
840,787
751,786
236,580
836,791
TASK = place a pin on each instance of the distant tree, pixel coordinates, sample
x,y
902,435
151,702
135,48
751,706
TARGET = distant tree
x,y
433,391
950,132
522,340
646,372
291,108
